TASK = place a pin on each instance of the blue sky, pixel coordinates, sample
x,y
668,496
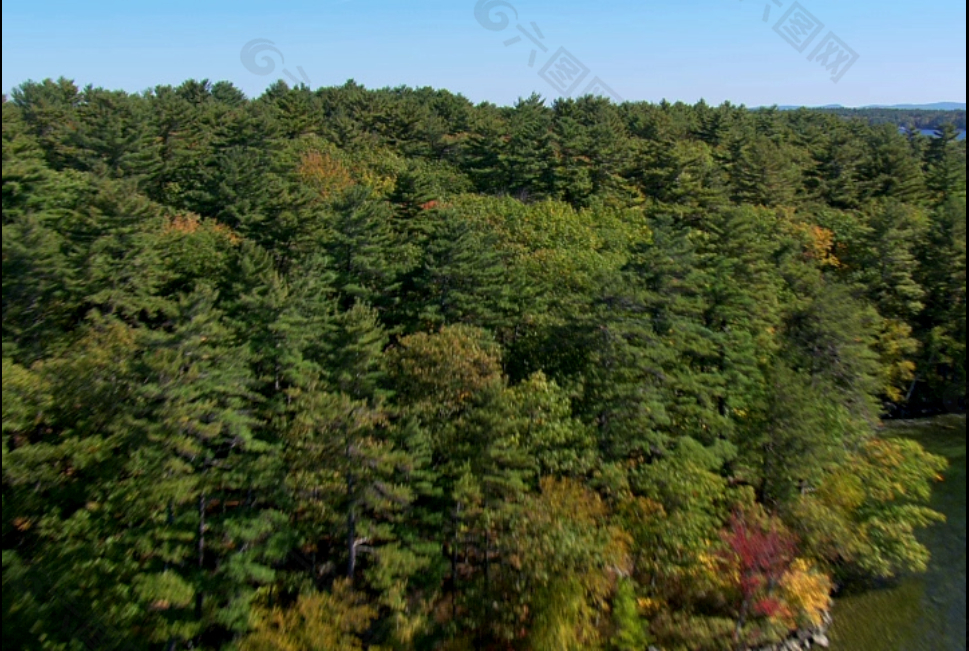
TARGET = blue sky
x,y
644,50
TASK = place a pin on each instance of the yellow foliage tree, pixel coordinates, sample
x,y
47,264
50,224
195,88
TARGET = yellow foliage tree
x,y
333,621
326,173
866,512
806,591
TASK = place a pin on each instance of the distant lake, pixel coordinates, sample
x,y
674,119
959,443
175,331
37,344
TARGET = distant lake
x,y
925,612
931,133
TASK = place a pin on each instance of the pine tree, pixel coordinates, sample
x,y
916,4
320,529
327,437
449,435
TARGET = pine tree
x,y
288,323
799,434
412,193
610,150
115,244
38,281
764,173
461,278
832,340
959,276
891,170
48,110
945,167
835,174
351,465
527,160
680,173
891,274
81,465
574,170
111,137
675,274
941,326
364,250
482,159
23,163
202,482
743,307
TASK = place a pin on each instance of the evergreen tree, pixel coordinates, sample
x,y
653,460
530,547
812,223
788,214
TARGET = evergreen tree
x,y
202,478
764,173
945,166
527,160
832,340
574,173
48,110
461,278
940,328
835,174
891,170
363,248
111,136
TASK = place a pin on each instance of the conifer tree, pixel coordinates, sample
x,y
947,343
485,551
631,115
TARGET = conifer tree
x,y
48,111
574,171
891,170
111,134
461,278
203,479
764,173
945,166
527,160
363,249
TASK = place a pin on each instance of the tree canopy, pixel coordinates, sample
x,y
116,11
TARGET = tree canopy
x,y
384,369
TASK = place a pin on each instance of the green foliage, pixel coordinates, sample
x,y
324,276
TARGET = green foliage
x,y
460,278
865,513
629,629
384,369
559,566
764,173
363,249
946,166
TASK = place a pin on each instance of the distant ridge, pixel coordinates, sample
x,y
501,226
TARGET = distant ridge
x,y
938,106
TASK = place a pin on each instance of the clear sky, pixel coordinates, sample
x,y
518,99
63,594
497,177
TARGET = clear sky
x,y
643,50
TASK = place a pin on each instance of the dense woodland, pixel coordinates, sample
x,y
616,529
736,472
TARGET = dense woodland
x,y
359,369
909,119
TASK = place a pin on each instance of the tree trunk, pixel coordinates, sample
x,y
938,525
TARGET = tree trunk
x,y
200,596
351,521
741,622
454,562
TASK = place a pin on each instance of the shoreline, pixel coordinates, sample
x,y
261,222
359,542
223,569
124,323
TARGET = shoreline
x,y
805,639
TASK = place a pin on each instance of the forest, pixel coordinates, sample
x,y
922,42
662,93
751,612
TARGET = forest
x,y
347,369
909,119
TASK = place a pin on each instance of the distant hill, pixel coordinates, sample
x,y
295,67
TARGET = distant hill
x,y
925,117
938,106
